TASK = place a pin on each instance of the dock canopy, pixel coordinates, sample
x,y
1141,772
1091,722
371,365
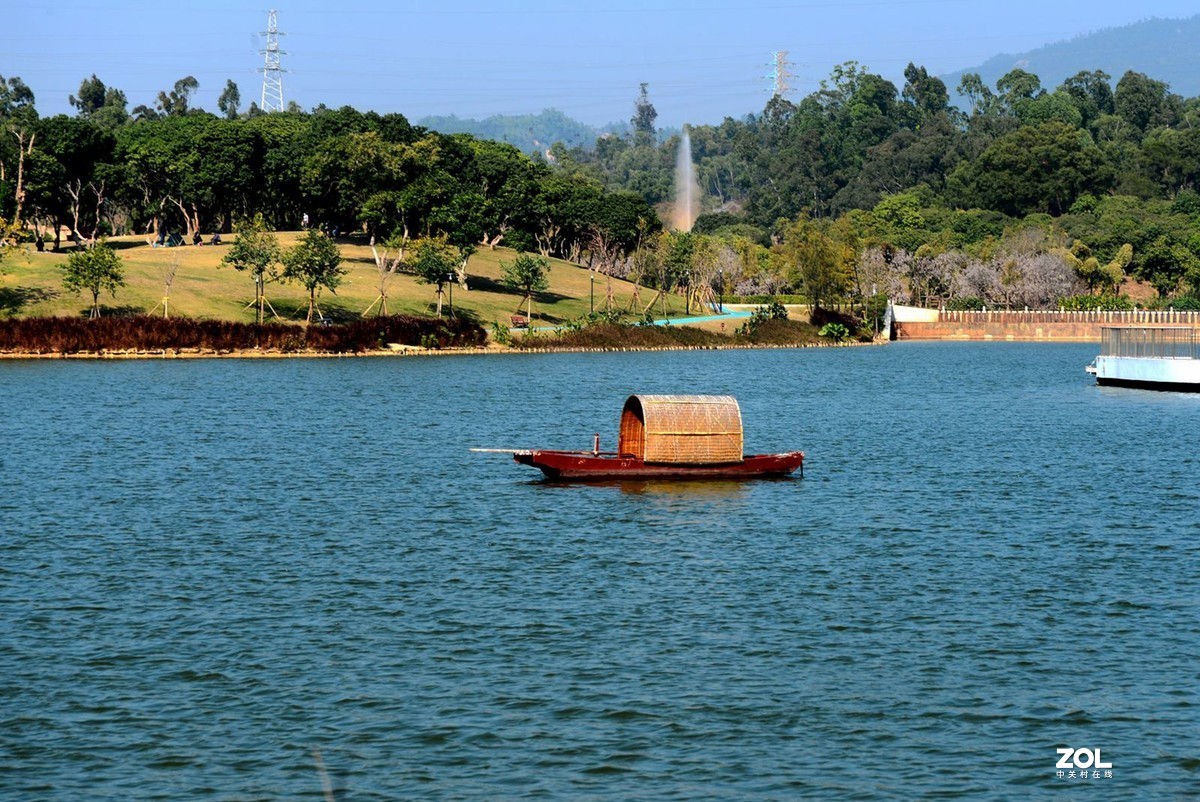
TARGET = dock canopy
x,y
682,429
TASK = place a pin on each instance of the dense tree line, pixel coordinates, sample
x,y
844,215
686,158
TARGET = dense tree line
x,y
859,191
981,205
173,167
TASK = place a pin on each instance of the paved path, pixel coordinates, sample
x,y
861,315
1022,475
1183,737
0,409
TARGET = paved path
x,y
681,321
730,315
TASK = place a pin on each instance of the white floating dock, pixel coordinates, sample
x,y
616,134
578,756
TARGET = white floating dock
x,y
1149,357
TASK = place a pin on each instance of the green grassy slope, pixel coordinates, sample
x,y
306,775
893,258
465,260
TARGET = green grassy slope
x,y
31,285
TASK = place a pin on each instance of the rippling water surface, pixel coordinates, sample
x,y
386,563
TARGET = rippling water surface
x,y
210,569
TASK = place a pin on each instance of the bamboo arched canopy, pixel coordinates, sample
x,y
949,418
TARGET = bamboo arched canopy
x,y
682,429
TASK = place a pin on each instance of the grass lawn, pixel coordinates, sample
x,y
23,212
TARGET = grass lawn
x,y
31,285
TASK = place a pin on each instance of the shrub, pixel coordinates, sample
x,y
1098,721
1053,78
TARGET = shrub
x,y
780,332
835,331
578,324
853,325
761,315
1095,303
970,303
612,335
1180,303
501,334
143,333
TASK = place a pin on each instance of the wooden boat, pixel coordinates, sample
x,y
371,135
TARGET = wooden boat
x,y
586,465
668,437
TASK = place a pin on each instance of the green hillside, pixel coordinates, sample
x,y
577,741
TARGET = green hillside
x,y
1164,49
31,285
532,133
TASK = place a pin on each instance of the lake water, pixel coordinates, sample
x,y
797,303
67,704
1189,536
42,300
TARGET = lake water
x,y
210,569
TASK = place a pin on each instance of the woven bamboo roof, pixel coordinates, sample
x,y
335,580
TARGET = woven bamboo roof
x,y
682,429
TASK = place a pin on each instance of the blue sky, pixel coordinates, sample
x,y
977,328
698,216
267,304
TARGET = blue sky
x,y
703,60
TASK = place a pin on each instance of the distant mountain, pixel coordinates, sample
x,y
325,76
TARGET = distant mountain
x,y
531,133
1164,49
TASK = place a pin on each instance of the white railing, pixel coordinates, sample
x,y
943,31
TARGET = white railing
x,y
1148,343
1144,317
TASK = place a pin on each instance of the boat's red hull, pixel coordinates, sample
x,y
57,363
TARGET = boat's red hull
x,y
586,466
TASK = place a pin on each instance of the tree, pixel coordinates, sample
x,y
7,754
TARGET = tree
x,y
175,102
1106,277
91,96
8,239
678,248
706,264
67,182
1091,92
1036,168
905,159
180,162
844,81
1113,273
1145,103
18,116
344,173
1171,158
529,274
816,262
276,183
644,115
506,182
899,221
100,104
434,260
220,179
144,112
256,249
562,209
315,262
94,269
1017,85
1046,107
229,100
926,92
1164,262
15,95
386,263
977,93
167,271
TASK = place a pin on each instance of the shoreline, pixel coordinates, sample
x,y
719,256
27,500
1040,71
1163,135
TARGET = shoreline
x,y
410,351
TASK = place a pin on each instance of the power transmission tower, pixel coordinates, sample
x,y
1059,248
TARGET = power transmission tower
x,y
272,90
780,73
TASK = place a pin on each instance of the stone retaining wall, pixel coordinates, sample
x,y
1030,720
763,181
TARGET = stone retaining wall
x,y
1035,326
